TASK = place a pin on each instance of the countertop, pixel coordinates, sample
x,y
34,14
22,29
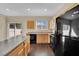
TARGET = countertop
x,y
10,44
39,32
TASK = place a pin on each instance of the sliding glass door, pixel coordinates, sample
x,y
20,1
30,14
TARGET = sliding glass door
x,y
15,29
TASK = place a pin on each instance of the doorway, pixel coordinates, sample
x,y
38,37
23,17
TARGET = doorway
x,y
14,29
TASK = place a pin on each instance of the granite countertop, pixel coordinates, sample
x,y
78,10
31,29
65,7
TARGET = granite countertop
x,y
39,32
10,44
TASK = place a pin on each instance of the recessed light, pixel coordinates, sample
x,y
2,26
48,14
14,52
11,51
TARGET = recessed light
x,y
7,9
28,9
72,15
45,9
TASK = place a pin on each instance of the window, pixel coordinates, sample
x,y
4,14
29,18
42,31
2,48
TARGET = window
x,y
42,24
18,26
11,30
18,29
12,26
14,29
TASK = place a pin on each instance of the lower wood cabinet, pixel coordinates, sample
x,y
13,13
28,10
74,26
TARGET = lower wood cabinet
x,y
43,38
20,50
17,51
27,47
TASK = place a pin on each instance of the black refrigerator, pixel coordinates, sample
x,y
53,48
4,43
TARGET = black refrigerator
x,y
66,36
61,37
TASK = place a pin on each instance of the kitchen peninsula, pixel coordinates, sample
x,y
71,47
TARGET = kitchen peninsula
x,y
14,46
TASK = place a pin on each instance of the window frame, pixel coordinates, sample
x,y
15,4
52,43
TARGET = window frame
x,y
42,28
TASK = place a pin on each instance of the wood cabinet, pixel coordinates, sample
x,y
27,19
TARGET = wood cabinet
x,y
42,38
27,47
21,50
30,24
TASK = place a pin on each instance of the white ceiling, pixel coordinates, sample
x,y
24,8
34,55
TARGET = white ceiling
x,y
36,9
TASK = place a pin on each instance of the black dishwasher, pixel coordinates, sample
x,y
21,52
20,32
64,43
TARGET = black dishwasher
x,y
32,38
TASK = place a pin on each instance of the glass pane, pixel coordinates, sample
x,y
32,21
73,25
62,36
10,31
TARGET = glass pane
x,y
18,29
12,26
42,24
11,29
18,26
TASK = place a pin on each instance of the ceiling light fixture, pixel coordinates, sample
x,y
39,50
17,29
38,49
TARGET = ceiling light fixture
x,y
72,15
45,9
28,9
7,9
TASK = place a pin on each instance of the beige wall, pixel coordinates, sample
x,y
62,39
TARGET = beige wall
x,y
52,24
23,21
3,28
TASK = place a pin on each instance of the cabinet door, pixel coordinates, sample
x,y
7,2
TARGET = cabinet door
x,y
27,47
46,39
16,51
30,24
42,38
21,52
39,38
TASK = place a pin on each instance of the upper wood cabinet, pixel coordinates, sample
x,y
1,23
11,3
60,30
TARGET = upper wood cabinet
x,y
30,24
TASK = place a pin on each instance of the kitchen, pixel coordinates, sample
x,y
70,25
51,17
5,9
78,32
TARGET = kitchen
x,y
25,24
